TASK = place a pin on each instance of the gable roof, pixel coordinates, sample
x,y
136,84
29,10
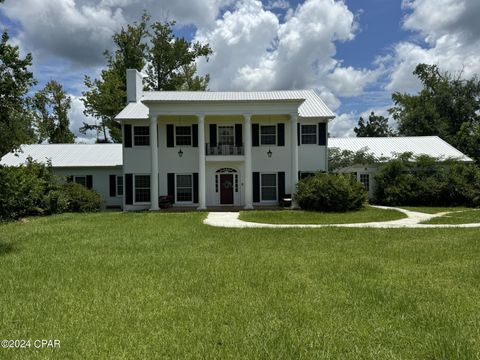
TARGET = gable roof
x,y
390,146
312,105
67,155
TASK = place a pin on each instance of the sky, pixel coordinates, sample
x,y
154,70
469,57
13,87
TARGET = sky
x,y
354,53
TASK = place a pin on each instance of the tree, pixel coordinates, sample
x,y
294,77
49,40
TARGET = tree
x,y
171,67
446,106
107,96
52,105
15,81
172,61
376,125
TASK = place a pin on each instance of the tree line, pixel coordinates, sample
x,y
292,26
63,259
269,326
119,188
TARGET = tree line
x,y
447,106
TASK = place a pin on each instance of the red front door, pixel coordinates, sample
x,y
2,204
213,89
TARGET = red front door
x,y
226,189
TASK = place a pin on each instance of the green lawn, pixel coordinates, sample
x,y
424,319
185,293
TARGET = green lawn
x,y
368,214
459,217
163,285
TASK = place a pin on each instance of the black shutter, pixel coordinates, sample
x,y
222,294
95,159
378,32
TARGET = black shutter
x,y
213,135
281,185
127,135
113,185
195,188
322,134
255,134
171,185
128,189
256,187
195,135
281,134
69,178
170,136
238,135
298,134
89,181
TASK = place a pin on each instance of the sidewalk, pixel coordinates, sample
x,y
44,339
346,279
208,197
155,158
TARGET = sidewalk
x,y
413,220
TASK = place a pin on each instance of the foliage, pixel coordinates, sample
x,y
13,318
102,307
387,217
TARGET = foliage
x,y
376,125
330,192
51,116
23,190
338,159
446,106
81,199
33,189
171,60
427,181
171,66
15,82
106,96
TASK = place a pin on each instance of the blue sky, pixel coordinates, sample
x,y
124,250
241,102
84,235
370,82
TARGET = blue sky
x,y
354,53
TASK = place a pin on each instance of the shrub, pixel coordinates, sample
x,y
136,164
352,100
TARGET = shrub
x,y
81,199
330,192
427,181
33,189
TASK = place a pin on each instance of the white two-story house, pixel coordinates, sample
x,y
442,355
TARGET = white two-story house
x,y
207,149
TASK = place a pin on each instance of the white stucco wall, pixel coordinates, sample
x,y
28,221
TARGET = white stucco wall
x,y
363,169
100,180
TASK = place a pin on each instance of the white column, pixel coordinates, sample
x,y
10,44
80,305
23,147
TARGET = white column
x,y
201,163
154,173
294,141
248,162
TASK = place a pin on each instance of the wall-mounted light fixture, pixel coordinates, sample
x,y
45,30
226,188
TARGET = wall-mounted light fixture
x,y
180,153
269,153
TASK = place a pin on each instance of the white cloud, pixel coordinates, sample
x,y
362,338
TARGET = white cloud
x,y
451,33
77,118
342,125
253,50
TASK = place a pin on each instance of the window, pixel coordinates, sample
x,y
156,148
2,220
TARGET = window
x,y
183,135
269,187
226,135
268,135
142,188
141,136
365,180
119,185
184,188
309,134
82,180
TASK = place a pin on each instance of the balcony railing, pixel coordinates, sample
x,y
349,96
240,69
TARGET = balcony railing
x,y
224,150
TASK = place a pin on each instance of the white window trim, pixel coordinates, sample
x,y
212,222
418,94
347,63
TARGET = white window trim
x,y
135,202
260,135
367,188
276,188
184,202
191,135
133,136
218,132
80,176
116,185
316,134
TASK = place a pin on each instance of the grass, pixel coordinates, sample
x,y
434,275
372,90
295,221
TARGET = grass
x,y
163,285
432,209
459,217
368,214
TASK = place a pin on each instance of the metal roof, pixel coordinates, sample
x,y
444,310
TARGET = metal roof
x,y
312,105
67,155
390,146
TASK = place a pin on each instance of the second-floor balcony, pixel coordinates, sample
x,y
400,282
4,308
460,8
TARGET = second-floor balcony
x,y
224,149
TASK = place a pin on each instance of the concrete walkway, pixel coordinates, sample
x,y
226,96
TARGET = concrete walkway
x,y
413,220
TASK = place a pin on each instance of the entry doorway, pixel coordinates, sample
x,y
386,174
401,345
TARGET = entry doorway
x,y
226,189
